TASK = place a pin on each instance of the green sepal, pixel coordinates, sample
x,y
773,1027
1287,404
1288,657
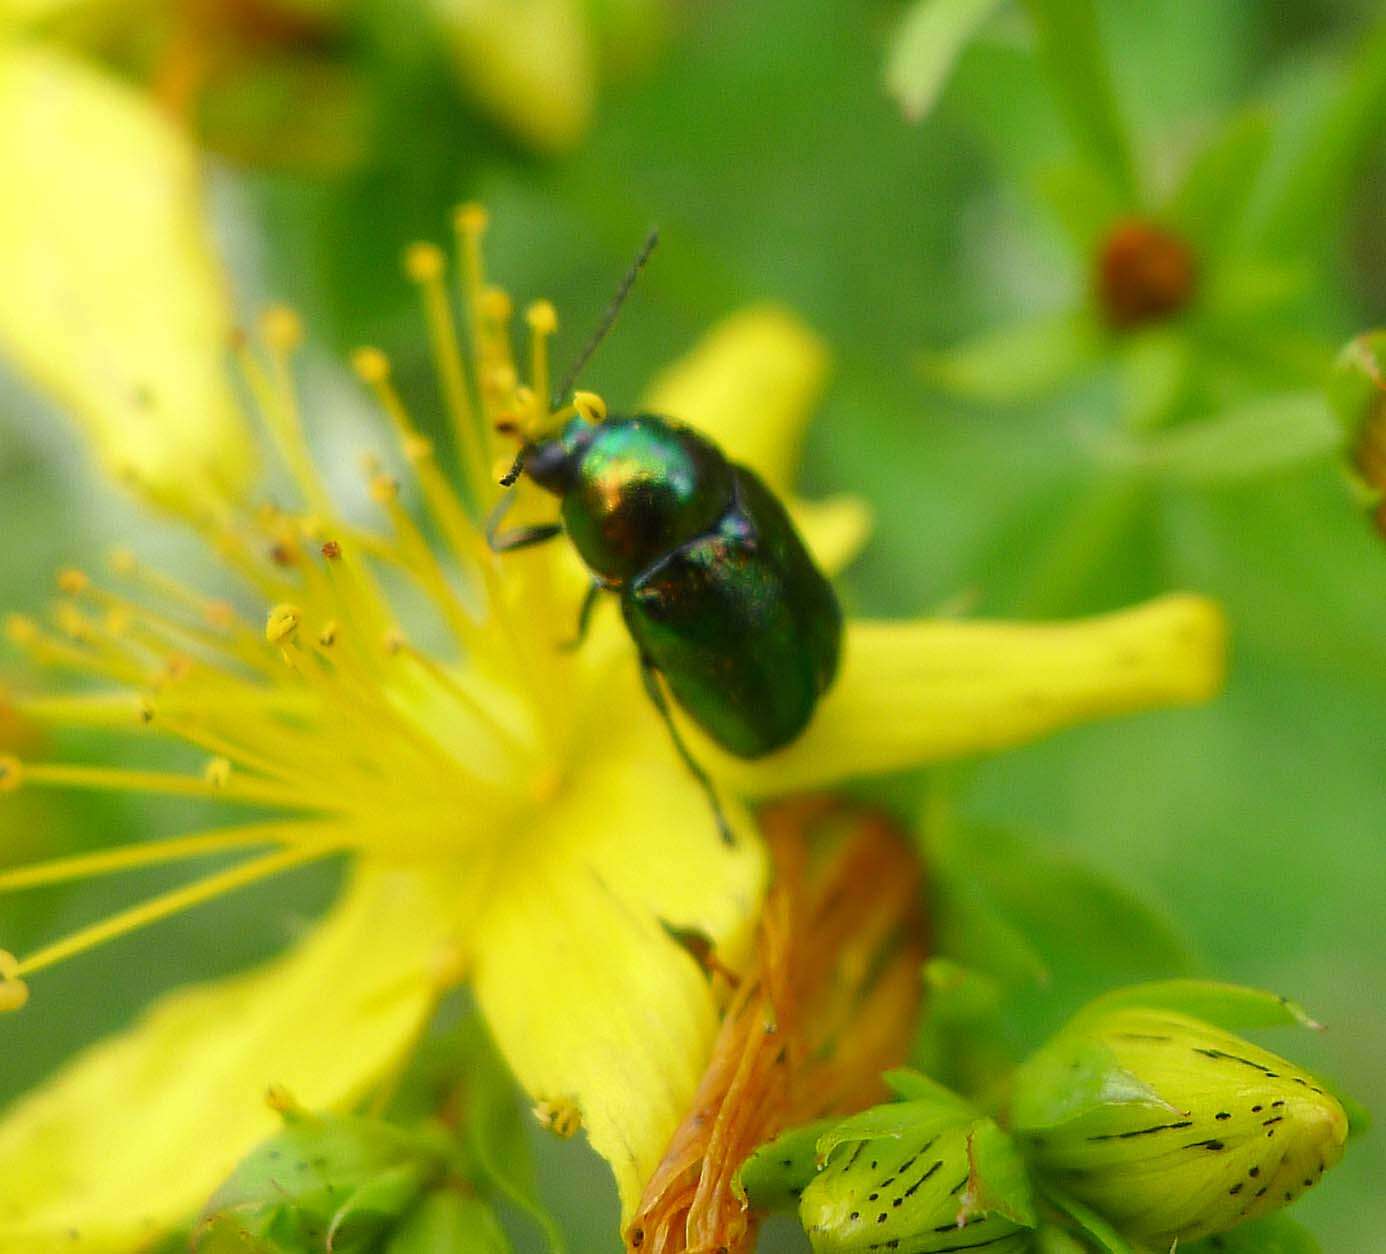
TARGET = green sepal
x,y
910,1085
1232,1007
449,1222
1277,1234
338,1178
1073,1077
895,1121
773,1177
999,1181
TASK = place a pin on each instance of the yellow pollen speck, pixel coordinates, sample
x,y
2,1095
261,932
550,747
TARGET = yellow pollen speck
x,y
21,629
282,623
281,327
418,448
470,218
71,623
371,365
11,776
560,1116
73,582
423,262
542,317
123,562
384,489
496,304
117,621
13,995
217,772
327,637
311,526
590,406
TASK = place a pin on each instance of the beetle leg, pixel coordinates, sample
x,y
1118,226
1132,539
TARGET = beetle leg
x,y
589,603
517,537
650,674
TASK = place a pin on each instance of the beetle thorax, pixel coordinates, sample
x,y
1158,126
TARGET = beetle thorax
x,y
637,488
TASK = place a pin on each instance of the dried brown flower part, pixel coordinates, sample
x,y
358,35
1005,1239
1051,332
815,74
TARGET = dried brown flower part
x,y
829,1003
1145,274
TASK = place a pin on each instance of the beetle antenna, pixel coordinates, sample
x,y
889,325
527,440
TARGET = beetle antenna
x,y
608,319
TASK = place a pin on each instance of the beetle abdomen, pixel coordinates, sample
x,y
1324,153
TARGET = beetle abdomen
x,y
743,626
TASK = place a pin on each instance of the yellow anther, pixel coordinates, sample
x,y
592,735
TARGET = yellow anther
x,y
312,526
590,406
496,305
9,965
500,379
327,637
282,623
117,620
281,327
331,550
371,365
560,1116
11,776
217,772
21,629
423,262
123,562
417,448
470,218
542,317
73,582
384,489
13,995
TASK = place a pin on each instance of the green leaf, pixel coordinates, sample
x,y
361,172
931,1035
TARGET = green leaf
x,y
1278,1234
449,1222
1102,1233
1015,363
998,1180
494,1130
1314,172
1051,1240
926,46
1259,438
1232,1007
1210,203
1070,46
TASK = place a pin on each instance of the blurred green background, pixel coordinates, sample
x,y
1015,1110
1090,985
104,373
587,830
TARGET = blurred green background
x,y
760,138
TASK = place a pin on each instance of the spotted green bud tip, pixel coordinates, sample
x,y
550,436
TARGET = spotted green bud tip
x,y
1171,1128
323,1182
915,1177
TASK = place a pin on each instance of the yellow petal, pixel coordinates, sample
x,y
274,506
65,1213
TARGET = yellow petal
x,y
834,529
528,63
912,693
593,1004
751,383
132,1136
110,299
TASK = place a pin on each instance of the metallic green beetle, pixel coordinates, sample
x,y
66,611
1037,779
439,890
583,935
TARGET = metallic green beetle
x,y
717,589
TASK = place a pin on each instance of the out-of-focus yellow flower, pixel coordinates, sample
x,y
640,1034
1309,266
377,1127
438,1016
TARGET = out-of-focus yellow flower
x,y
111,299
513,814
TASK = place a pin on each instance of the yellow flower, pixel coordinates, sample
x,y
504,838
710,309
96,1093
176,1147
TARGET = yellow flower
x,y
512,813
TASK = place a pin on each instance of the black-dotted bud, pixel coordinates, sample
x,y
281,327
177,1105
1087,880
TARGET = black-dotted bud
x,y
1171,1128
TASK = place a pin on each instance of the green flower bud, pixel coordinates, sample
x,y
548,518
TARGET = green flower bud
x,y
917,1176
1171,1128
323,1182
1357,394
774,1177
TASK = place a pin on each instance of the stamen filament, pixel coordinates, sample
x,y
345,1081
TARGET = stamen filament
x,y
170,903
113,779
152,853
